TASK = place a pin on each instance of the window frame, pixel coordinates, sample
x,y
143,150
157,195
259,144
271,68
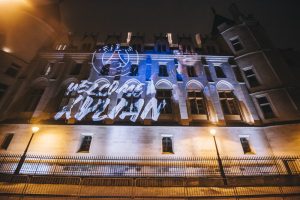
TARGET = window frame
x,y
247,150
13,70
82,148
255,75
275,115
165,146
239,42
219,69
195,97
6,141
168,100
228,105
163,71
191,71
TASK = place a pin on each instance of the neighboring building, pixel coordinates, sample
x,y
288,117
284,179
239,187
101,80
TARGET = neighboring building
x,y
233,81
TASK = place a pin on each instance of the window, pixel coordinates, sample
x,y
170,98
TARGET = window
x,y
228,103
219,72
3,89
191,71
105,70
131,100
163,71
251,77
265,107
7,141
207,73
196,101
76,69
167,146
85,144
134,70
167,96
238,74
13,70
236,44
246,145
33,99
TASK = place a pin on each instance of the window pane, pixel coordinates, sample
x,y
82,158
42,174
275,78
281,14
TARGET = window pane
x,y
245,145
267,111
225,107
85,145
13,70
262,100
7,141
105,70
219,72
167,145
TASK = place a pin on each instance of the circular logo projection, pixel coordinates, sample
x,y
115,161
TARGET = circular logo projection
x,y
114,60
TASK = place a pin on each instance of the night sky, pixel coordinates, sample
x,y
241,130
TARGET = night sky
x,y
280,18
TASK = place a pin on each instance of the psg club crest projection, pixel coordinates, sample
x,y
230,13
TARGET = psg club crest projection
x,y
94,96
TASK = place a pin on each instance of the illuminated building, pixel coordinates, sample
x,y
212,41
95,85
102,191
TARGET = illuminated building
x,y
233,81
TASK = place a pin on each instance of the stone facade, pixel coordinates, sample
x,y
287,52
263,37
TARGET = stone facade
x,y
235,78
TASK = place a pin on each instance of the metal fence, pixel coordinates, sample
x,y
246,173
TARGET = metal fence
x,y
101,166
62,187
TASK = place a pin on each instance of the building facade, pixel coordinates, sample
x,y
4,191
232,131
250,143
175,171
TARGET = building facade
x,y
132,95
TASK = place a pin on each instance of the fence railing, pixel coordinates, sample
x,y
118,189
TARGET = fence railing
x,y
150,166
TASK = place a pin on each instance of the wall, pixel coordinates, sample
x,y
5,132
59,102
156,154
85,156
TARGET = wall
x,y
146,140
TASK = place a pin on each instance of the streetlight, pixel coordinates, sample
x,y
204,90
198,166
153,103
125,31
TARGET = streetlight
x,y
34,130
213,133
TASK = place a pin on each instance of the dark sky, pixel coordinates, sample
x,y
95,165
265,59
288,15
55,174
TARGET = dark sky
x,y
280,18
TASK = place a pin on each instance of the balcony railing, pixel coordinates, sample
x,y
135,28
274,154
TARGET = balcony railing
x,y
150,166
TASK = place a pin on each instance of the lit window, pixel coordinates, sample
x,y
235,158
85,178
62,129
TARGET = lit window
x,y
3,89
197,103
265,107
128,37
167,96
167,146
134,70
219,72
163,71
246,145
228,103
85,144
13,70
7,140
169,36
236,44
198,39
76,69
251,77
